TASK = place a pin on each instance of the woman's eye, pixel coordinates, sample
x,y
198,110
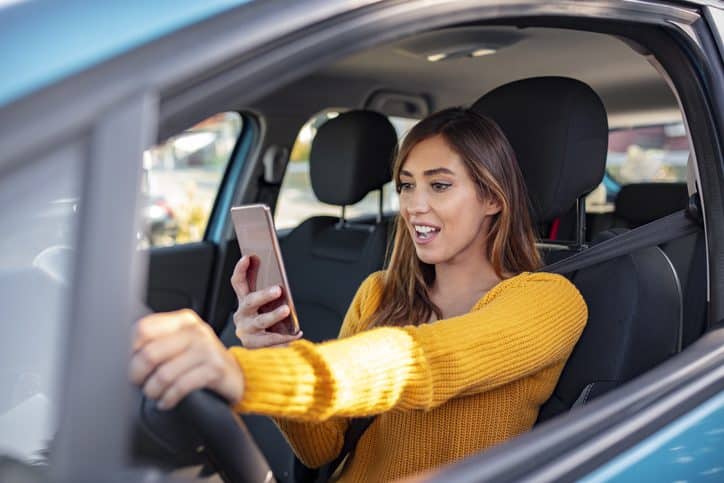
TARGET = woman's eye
x,y
440,186
403,187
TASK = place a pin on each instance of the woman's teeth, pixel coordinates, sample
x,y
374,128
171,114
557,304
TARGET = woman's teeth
x,y
425,231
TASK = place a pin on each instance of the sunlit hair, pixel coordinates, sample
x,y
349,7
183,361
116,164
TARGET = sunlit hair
x,y
491,163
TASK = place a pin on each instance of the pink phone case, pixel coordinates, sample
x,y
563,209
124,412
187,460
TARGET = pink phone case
x,y
257,238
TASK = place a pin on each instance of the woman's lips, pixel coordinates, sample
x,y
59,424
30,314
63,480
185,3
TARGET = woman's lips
x,y
423,238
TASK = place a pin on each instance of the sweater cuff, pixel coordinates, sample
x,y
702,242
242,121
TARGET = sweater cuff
x,y
279,381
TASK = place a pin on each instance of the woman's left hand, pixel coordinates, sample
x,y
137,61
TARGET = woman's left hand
x,y
176,353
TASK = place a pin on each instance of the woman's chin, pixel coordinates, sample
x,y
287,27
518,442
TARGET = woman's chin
x,y
427,256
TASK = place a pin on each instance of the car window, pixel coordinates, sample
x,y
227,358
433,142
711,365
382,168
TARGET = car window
x,y
296,200
181,177
648,154
36,252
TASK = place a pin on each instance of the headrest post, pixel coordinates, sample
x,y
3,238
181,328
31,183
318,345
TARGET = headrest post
x,y
342,219
379,213
581,223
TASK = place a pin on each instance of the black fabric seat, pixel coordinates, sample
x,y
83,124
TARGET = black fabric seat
x,y
558,129
641,203
327,258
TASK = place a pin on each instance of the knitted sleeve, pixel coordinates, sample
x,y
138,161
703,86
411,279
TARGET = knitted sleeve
x,y
318,443
521,326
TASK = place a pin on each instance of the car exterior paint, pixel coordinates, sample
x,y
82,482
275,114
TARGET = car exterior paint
x,y
61,43
690,449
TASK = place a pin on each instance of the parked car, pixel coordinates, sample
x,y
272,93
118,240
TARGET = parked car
x,y
89,87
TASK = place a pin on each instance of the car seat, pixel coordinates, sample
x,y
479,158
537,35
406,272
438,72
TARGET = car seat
x,y
558,129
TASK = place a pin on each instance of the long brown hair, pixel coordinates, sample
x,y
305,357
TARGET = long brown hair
x,y
491,163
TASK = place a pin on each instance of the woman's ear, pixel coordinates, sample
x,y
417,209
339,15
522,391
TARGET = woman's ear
x,y
492,206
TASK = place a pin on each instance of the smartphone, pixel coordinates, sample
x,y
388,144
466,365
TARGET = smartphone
x,y
257,238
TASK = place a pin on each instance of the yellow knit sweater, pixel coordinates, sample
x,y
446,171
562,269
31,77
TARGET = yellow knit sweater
x,y
443,390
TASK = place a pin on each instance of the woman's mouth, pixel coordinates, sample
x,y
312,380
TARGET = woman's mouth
x,y
424,233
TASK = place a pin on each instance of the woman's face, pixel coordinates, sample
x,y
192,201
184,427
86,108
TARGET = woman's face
x,y
441,205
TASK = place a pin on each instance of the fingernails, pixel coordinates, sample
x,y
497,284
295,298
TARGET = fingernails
x,y
162,405
275,290
284,309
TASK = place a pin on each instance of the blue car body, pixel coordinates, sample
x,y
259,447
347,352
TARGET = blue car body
x,y
62,43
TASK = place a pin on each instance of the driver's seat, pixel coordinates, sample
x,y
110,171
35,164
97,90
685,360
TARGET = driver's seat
x,y
558,129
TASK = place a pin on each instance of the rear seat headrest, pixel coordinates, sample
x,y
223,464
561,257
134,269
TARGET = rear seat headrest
x,y
641,203
559,132
351,155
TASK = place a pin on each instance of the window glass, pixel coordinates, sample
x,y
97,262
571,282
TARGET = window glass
x,y
648,154
641,155
181,178
296,200
36,251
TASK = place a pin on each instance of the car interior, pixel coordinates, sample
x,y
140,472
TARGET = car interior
x,y
599,135
558,94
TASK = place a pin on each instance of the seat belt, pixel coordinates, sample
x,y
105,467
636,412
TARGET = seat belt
x,y
331,471
671,227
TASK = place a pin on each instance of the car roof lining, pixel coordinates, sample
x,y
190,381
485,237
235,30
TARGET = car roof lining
x,y
632,90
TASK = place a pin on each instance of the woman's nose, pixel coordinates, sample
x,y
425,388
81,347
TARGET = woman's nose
x,y
417,203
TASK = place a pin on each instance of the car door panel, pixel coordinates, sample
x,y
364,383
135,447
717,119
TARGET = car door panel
x,y
179,276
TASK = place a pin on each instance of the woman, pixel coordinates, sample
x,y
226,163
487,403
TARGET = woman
x,y
454,346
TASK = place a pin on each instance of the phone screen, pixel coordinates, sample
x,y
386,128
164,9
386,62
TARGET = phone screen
x,y
256,236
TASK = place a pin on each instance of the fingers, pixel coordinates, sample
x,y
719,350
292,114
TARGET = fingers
x,y
217,370
167,374
263,321
196,378
239,280
176,353
155,354
251,330
250,304
158,325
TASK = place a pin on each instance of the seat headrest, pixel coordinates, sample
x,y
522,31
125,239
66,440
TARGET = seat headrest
x,y
641,203
559,132
351,155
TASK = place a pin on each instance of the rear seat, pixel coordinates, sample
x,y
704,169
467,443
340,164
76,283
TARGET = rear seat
x,y
327,258
641,203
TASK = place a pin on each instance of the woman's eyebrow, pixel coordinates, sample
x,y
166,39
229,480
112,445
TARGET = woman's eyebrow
x,y
433,172
429,172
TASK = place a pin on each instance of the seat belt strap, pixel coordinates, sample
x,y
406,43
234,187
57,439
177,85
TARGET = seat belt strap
x,y
671,227
355,430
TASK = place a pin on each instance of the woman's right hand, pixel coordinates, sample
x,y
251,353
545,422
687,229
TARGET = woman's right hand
x,y
251,326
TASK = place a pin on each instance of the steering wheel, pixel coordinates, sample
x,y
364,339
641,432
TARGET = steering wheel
x,y
204,423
